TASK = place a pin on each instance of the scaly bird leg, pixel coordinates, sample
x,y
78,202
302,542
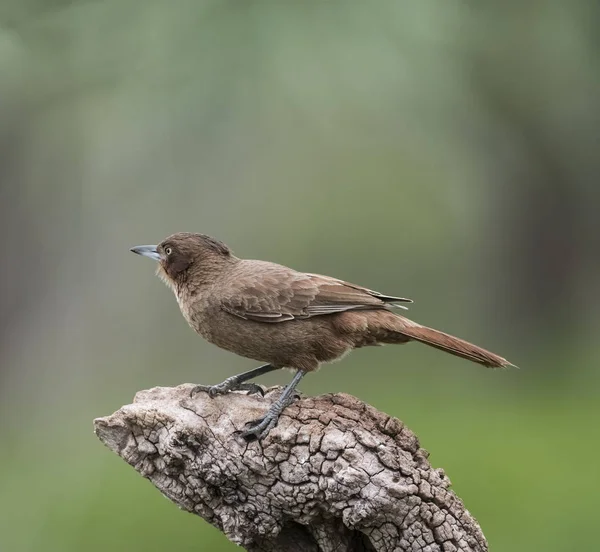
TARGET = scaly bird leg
x,y
234,383
257,429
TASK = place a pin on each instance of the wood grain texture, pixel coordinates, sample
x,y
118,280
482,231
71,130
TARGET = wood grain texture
x,y
334,475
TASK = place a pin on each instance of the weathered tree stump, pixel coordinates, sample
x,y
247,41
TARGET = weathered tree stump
x,y
334,475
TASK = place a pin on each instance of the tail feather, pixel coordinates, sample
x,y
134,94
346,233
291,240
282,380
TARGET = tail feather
x,y
453,345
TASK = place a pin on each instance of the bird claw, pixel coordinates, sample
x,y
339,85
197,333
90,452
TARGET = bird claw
x,y
212,390
200,388
226,386
257,429
252,389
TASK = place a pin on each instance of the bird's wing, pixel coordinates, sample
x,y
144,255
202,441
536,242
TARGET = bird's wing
x,y
273,293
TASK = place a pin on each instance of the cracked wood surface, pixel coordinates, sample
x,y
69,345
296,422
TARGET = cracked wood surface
x,y
334,475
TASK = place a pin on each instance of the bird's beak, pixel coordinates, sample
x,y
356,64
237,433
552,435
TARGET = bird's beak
x,y
147,251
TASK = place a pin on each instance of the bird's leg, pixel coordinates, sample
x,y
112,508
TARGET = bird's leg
x,y
256,429
236,382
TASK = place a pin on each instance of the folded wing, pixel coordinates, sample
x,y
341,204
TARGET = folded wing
x,y
272,293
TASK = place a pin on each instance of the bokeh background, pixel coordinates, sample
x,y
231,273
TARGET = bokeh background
x,y
445,151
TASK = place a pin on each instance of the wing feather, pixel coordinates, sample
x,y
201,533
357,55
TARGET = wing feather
x,y
267,292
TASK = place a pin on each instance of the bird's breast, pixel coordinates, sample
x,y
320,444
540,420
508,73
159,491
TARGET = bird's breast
x,y
199,313
186,308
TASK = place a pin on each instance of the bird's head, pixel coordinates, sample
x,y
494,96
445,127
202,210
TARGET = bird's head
x,y
185,254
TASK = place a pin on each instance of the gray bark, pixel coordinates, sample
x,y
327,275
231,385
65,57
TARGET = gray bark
x,y
334,475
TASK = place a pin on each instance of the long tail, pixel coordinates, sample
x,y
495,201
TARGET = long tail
x,y
450,344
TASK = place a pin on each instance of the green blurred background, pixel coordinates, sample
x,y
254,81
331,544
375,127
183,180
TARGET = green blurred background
x,y
445,151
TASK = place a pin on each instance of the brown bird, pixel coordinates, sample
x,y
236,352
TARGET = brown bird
x,y
287,319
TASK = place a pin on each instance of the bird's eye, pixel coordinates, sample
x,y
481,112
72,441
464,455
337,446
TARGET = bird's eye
x,y
169,250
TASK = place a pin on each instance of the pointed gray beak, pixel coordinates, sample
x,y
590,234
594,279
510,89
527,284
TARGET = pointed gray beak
x,y
147,251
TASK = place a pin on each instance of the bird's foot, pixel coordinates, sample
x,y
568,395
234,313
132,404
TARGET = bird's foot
x,y
230,384
257,429
252,389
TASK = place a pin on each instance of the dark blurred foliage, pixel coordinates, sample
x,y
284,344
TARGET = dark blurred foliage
x,y
446,151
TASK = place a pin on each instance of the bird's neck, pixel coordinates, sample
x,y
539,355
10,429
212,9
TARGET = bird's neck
x,y
199,278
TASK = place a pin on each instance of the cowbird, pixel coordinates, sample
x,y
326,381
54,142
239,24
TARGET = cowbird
x,y
284,318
